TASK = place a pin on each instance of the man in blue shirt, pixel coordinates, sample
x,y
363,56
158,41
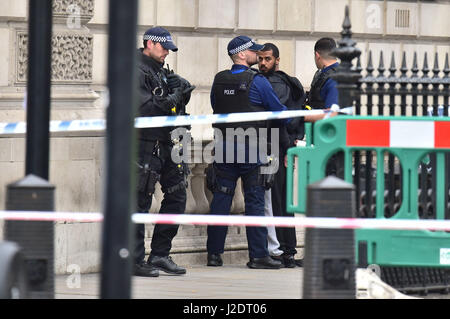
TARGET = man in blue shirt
x,y
241,89
323,92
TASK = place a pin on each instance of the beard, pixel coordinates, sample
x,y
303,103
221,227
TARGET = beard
x,y
270,71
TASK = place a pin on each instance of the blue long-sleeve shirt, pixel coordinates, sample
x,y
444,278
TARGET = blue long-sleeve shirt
x,y
261,91
329,91
262,94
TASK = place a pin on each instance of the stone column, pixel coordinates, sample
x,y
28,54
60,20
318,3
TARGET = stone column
x,y
198,185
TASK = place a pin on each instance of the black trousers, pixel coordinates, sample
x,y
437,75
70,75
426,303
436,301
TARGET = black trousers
x,y
286,235
174,201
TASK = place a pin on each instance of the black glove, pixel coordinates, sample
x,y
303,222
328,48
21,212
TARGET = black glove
x,y
187,90
169,103
173,81
294,125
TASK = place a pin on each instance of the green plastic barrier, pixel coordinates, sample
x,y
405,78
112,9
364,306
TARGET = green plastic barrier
x,y
410,139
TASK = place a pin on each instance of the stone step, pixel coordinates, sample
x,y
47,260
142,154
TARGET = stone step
x,y
189,245
78,246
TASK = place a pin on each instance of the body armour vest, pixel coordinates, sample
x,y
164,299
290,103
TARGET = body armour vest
x,y
231,93
314,99
152,82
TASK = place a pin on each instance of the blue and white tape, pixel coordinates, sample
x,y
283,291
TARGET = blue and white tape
x,y
164,121
56,126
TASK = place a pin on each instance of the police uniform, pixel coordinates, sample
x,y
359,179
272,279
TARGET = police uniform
x,y
323,94
154,162
318,96
235,91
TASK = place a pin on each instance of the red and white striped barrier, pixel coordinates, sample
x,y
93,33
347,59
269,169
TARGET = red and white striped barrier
x,y
239,220
396,133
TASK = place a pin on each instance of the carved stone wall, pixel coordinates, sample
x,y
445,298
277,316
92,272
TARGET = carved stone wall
x,y
71,58
72,63
69,7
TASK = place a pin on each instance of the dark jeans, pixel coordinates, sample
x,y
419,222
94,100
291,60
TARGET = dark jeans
x,y
173,202
254,206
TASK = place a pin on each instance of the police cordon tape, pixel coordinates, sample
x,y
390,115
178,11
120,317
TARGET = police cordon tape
x,y
237,220
179,120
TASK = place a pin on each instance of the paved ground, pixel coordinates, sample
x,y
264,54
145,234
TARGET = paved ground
x,y
200,282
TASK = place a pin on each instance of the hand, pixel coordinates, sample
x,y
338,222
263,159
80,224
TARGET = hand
x,y
187,93
329,113
188,90
173,100
294,125
286,162
173,81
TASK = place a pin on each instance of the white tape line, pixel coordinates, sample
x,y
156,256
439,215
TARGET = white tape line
x,y
164,121
50,216
239,220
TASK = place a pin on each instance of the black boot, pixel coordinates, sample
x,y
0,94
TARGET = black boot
x,y
289,261
264,263
143,269
214,260
166,264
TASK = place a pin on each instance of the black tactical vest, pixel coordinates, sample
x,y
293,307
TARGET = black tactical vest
x,y
152,82
314,99
231,92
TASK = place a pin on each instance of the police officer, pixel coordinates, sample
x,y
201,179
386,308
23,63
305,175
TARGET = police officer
x,y
161,92
241,89
323,92
290,92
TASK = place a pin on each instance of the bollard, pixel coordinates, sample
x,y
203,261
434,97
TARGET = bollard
x,y
329,261
34,237
117,234
39,87
13,284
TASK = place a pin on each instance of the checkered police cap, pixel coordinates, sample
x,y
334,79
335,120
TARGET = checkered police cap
x,y
161,35
242,43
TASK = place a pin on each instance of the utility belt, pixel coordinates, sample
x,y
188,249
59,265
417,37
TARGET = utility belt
x,y
150,167
260,176
212,172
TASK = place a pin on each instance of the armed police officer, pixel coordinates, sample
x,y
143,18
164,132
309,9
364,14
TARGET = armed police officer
x,y
241,89
323,92
161,92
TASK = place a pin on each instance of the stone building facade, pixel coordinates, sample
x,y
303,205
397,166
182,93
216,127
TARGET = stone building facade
x,y
202,30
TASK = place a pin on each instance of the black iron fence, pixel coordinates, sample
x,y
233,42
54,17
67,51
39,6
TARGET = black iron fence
x,y
396,92
400,91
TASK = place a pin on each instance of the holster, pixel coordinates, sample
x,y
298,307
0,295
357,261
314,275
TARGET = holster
x,y
211,177
182,169
266,180
263,179
213,184
147,179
